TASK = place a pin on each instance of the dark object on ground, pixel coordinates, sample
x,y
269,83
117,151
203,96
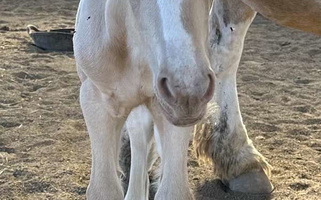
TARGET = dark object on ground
x,y
52,40
4,28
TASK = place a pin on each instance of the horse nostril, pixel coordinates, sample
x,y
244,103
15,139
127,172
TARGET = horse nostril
x,y
164,89
210,89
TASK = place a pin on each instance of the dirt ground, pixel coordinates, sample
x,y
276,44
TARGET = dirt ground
x,y
44,147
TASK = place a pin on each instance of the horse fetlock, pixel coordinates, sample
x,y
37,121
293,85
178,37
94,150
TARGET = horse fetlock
x,y
244,171
230,163
230,150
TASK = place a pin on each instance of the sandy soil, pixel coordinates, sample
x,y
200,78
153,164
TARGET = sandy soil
x,y
44,147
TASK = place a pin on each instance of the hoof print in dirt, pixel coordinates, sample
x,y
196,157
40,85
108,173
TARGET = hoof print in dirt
x,y
299,186
38,187
4,28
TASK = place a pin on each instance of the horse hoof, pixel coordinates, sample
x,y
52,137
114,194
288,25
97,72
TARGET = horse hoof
x,y
255,182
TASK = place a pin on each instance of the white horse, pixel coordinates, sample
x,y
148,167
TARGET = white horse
x,y
158,61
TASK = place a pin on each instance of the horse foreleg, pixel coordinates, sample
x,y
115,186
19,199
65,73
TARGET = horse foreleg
x,y
172,143
140,130
236,161
104,131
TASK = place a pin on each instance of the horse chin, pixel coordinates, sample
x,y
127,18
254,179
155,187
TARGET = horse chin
x,y
182,121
